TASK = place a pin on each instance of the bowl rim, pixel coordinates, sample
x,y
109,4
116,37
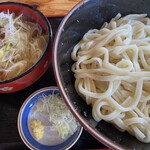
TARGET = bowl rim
x,y
49,42
97,135
19,119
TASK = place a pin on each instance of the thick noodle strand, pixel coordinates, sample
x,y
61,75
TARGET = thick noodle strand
x,y
112,73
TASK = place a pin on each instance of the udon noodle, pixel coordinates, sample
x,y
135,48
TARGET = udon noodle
x,y
112,73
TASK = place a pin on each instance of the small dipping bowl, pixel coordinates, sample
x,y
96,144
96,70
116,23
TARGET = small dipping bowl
x,y
24,129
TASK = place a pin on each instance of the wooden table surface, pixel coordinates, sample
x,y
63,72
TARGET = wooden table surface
x,y
51,8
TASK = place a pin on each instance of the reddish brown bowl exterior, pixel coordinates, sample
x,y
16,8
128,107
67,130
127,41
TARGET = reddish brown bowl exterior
x,y
37,70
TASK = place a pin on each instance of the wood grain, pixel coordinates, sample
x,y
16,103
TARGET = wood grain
x,y
51,8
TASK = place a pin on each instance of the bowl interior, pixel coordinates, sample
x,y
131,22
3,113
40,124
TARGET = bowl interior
x,y
33,15
28,11
23,123
89,15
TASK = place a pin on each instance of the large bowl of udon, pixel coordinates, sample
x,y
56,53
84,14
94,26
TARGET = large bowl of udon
x,y
101,62
25,46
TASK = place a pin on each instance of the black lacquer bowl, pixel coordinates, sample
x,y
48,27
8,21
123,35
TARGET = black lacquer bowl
x,y
87,15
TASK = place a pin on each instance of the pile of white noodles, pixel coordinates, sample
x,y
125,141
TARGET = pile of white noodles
x,y
112,71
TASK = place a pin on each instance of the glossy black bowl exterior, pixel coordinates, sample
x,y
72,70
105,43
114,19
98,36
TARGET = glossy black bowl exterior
x,y
87,15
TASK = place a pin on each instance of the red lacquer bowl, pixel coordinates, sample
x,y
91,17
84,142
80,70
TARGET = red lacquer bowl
x,y
39,68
